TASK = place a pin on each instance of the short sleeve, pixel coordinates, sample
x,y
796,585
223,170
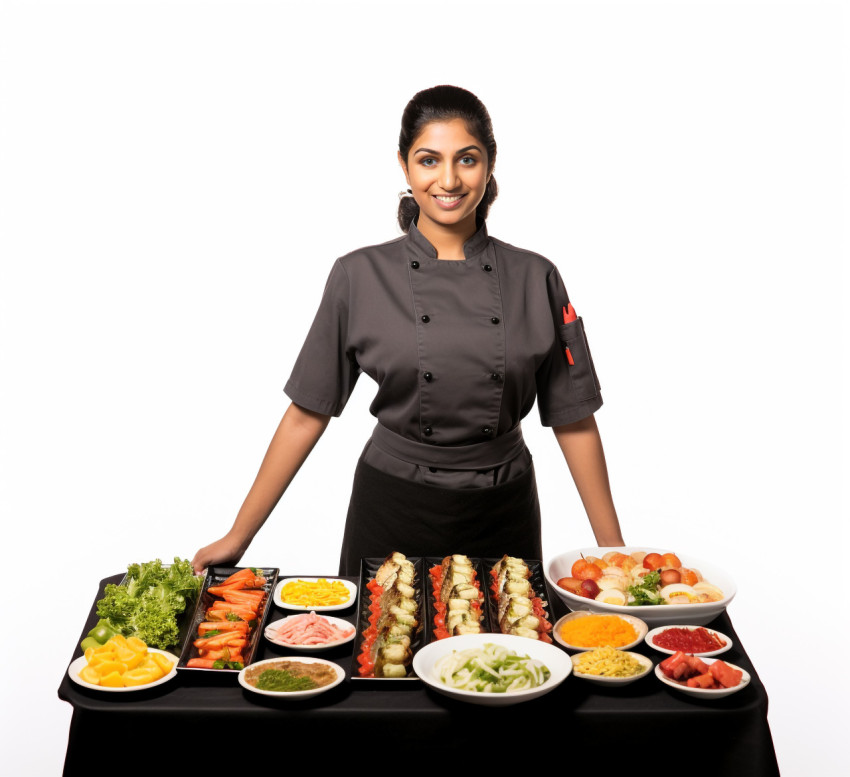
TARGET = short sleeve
x,y
326,369
566,392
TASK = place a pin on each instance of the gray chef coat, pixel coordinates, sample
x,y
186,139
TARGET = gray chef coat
x,y
459,349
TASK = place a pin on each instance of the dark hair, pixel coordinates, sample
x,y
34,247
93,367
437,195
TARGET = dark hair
x,y
444,103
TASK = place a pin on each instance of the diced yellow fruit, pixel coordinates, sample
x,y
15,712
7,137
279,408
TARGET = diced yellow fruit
x,y
134,643
162,662
130,658
90,675
140,676
88,654
117,641
112,680
107,667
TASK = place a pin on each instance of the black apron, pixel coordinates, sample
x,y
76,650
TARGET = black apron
x,y
389,513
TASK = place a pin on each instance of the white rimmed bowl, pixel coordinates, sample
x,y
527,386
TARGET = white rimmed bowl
x,y
271,631
639,626
654,615
78,664
600,680
556,661
340,676
278,600
706,693
659,629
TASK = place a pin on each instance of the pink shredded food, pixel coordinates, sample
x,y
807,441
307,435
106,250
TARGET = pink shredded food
x,y
311,629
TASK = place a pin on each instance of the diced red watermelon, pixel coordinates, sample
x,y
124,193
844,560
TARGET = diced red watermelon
x,y
725,674
701,681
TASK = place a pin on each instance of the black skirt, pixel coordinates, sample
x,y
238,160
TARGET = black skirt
x,y
388,514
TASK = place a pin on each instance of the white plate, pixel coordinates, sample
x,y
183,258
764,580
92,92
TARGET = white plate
x,y
556,661
710,693
78,664
340,676
669,652
639,626
352,590
272,628
594,678
654,615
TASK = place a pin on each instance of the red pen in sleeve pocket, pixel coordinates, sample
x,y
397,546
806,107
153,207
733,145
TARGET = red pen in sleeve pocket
x,y
569,315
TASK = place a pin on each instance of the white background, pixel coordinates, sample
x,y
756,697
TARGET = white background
x,y
177,178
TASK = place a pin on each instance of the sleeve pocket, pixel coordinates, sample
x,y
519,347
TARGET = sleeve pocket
x,y
582,373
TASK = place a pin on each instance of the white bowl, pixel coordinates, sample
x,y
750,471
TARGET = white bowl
x,y
78,664
595,678
639,626
272,628
654,615
659,629
705,693
556,661
352,591
340,676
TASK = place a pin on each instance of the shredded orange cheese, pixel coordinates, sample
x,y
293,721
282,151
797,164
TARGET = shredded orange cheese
x,y
598,631
322,593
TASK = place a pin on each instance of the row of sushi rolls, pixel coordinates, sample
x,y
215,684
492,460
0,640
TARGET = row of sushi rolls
x,y
458,602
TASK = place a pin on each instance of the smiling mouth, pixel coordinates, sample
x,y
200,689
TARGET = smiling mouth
x,y
448,197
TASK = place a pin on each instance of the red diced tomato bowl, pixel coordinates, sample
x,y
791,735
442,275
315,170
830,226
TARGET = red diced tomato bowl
x,y
729,671
702,592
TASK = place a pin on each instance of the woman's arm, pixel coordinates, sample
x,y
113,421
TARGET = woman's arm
x,y
299,430
582,448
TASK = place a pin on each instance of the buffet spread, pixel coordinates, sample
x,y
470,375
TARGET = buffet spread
x,y
478,630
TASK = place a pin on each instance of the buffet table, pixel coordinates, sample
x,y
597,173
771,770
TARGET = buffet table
x,y
203,720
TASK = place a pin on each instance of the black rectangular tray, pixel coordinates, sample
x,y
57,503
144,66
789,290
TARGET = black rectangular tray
x,y
368,569
215,576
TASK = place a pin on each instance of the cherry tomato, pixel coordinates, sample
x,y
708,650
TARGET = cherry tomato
x,y
652,561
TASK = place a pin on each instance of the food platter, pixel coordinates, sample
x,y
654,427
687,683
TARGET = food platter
x,y
639,626
290,695
706,693
350,587
703,654
208,600
557,662
272,628
654,615
78,664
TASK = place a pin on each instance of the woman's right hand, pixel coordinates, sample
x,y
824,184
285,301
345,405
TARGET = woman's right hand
x,y
225,551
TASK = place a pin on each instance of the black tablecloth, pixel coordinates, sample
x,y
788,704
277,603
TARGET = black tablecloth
x,y
204,721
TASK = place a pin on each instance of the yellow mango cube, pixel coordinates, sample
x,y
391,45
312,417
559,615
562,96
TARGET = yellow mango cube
x,y
112,680
119,640
90,675
107,667
130,658
162,662
134,643
140,676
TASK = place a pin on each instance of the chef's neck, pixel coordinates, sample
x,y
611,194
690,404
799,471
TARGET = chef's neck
x,y
447,239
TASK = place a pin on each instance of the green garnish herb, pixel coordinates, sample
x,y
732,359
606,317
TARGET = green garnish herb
x,y
281,680
646,593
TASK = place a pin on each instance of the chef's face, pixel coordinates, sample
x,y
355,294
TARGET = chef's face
x,y
446,169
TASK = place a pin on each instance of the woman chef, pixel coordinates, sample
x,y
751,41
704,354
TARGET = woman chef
x,y
461,332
